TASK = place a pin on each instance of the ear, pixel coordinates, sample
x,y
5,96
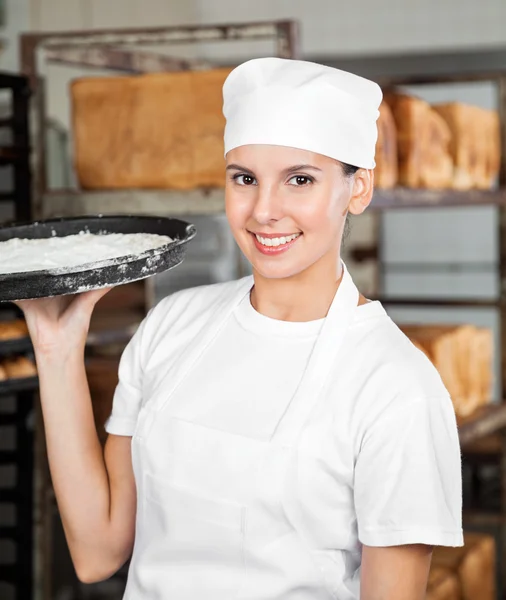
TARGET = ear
x,y
361,194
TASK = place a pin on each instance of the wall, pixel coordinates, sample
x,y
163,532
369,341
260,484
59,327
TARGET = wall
x,y
17,20
65,15
366,26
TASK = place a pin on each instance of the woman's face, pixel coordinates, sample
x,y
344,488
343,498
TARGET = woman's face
x,y
287,207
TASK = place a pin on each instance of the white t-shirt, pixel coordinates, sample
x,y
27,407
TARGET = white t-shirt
x,y
380,455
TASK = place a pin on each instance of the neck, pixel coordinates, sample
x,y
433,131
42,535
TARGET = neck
x,y
306,296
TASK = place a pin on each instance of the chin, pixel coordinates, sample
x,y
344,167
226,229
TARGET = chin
x,y
279,271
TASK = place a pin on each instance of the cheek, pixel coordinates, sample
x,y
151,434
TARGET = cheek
x,y
322,211
237,209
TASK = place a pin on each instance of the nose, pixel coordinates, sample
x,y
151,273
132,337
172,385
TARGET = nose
x,y
267,208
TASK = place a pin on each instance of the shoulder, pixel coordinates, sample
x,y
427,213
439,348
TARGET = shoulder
x,y
187,310
194,300
395,373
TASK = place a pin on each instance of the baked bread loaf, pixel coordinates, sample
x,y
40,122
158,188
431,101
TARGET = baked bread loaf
x,y
3,374
443,585
423,142
473,564
10,330
19,367
475,146
492,146
386,172
463,356
161,130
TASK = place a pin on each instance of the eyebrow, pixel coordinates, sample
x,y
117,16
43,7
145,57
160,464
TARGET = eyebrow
x,y
235,167
294,169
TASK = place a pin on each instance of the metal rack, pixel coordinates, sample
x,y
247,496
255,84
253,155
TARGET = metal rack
x,y
17,396
118,50
443,68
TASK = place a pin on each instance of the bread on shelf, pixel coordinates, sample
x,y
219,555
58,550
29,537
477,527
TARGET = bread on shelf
x,y
473,564
3,374
474,146
386,173
443,584
162,130
10,330
423,142
19,367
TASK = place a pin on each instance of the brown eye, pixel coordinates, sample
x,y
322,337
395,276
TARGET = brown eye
x,y
245,179
300,180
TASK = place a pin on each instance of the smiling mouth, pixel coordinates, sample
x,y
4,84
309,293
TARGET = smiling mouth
x,y
274,242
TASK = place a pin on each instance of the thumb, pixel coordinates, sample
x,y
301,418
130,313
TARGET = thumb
x,y
88,300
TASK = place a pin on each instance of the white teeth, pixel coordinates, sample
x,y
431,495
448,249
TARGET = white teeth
x,y
276,241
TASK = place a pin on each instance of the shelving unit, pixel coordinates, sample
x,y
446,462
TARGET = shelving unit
x,y
17,396
444,68
115,50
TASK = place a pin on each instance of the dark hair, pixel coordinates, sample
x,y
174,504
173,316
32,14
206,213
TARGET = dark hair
x,y
349,170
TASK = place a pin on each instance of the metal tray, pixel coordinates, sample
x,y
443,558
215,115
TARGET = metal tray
x,y
95,275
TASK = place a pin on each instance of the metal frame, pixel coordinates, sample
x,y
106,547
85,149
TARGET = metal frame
x,y
112,49
444,68
452,67
106,49
19,574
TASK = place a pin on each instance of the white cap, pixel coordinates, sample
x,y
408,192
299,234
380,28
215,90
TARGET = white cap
x,y
303,105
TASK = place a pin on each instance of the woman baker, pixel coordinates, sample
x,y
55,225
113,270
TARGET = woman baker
x,y
272,438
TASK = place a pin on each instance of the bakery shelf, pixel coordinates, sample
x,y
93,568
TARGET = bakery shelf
x,y
108,327
10,154
485,421
116,329
15,346
212,201
418,198
12,386
440,302
134,202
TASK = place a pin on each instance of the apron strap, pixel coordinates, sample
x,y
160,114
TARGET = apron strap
x,y
322,361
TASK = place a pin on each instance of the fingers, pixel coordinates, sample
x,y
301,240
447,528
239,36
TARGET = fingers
x,y
60,304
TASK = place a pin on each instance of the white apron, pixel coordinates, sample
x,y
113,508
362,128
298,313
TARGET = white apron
x,y
213,506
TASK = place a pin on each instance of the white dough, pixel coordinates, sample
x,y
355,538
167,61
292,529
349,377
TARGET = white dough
x,y
22,255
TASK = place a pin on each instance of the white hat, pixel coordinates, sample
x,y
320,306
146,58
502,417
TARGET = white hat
x,y
302,105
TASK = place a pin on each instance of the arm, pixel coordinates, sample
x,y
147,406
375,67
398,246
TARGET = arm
x,y
95,491
407,492
395,573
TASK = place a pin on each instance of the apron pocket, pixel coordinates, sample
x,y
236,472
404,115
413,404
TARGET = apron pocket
x,y
193,545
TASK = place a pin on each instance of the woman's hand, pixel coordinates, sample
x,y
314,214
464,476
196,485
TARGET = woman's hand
x,y
60,324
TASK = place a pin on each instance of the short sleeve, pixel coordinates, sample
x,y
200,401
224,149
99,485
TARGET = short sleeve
x,y
128,394
408,477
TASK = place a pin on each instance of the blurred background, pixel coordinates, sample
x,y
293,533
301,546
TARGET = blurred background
x,y
91,88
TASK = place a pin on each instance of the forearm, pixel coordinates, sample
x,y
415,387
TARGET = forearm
x,y
76,459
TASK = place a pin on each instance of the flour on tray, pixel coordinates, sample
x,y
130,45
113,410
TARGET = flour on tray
x,y
22,255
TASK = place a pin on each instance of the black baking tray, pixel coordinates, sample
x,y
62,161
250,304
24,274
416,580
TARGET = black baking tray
x,y
95,275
